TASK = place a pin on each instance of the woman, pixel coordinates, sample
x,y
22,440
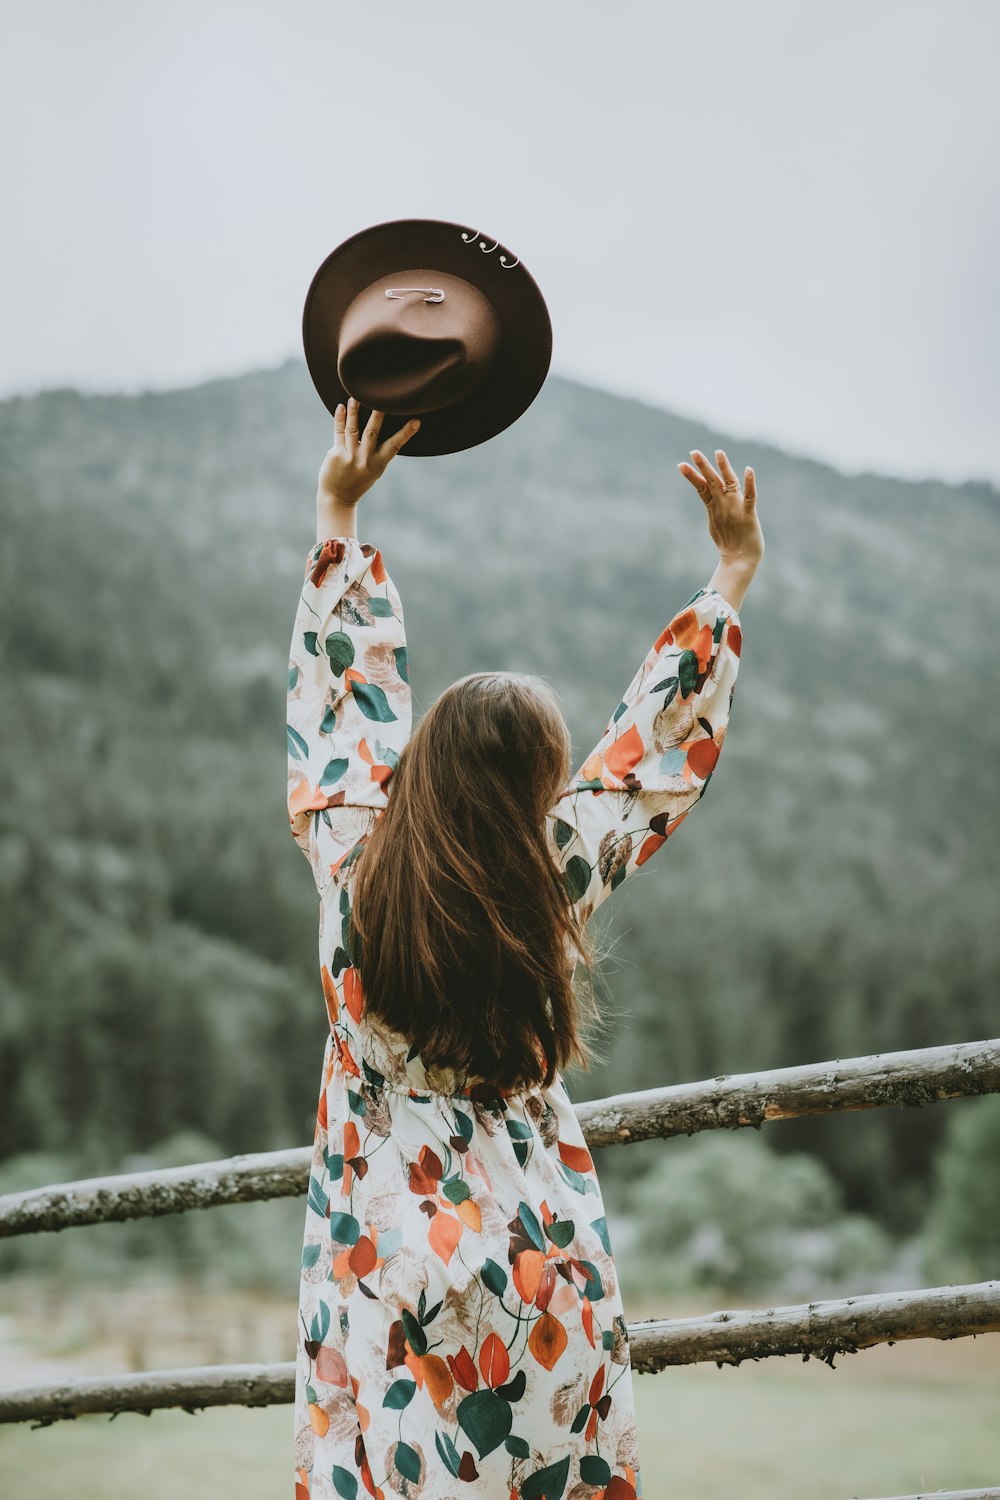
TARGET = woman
x,y
461,1329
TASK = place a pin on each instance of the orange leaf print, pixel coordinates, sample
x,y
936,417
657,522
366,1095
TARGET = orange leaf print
x,y
577,1157
351,674
362,1257
443,1235
412,1363
547,1340
590,1431
701,757
527,1272
591,768
352,1142
470,1214
341,1265
463,1369
494,1361
377,567
596,1387
330,994
381,774
547,1284
587,1319
352,992
318,1420
625,753
684,629
438,1378
304,797
365,753
734,639
649,846
425,1174
620,1489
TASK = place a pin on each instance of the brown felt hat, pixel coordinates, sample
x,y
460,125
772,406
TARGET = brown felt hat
x,y
423,318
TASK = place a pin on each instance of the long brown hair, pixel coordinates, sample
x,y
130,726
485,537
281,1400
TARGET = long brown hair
x,y
460,915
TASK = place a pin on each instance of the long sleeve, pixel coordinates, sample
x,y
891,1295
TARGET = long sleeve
x,y
349,708
656,755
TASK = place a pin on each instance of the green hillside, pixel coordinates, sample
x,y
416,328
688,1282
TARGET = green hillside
x,y
833,894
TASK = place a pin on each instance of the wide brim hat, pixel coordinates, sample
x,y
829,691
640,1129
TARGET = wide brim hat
x,y
429,319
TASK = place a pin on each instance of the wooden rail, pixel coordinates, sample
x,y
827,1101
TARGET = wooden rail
x,y
729,1101
821,1330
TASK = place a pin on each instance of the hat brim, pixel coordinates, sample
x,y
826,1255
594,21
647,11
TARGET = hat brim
x,y
525,349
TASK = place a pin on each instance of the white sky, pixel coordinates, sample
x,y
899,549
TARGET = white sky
x,y
777,216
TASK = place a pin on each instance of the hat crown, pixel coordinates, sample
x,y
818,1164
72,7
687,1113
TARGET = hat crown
x,y
416,341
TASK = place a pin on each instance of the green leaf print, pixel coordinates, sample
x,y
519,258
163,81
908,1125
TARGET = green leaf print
x,y
309,636
399,1394
560,1232
448,1452
486,1419
318,1201
344,1483
310,1255
622,707
372,702
293,675
297,747
340,651
456,1191
580,1420
576,876
402,665
532,1228
320,1324
407,1462
548,1483
563,833
600,1227
465,1126
517,1447
494,1277
414,1333
594,1469
379,606
345,1229
687,672
333,770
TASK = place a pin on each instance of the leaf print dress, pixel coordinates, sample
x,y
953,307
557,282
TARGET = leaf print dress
x,y
460,1322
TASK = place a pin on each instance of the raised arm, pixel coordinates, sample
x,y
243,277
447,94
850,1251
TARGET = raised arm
x,y
661,745
348,682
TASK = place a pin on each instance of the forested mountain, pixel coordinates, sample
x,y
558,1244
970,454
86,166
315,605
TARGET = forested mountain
x,y
833,893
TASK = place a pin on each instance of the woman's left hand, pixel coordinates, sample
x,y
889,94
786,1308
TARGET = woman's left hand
x,y
355,461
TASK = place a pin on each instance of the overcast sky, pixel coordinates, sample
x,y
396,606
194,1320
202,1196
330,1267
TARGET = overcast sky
x,y
777,216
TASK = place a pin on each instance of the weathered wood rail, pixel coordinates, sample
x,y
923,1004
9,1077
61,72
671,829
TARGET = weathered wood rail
x,y
820,1330
729,1101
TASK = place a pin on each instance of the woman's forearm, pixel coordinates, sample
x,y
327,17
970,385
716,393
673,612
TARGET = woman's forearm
x,y
731,579
334,517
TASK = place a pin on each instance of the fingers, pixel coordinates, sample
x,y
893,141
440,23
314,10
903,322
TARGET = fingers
x,y
392,445
372,428
695,478
728,474
339,417
351,430
708,483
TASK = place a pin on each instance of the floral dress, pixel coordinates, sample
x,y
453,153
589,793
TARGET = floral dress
x,y
461,1329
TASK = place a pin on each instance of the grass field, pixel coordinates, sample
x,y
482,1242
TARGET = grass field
x,y
912,1418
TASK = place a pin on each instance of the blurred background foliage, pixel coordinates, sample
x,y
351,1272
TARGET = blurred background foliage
x,y
834,894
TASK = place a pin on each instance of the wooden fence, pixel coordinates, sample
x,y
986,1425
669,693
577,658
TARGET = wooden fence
x,y
819,1330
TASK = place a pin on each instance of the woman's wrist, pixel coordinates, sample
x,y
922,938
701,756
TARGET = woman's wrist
x,y
731,579
334,517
